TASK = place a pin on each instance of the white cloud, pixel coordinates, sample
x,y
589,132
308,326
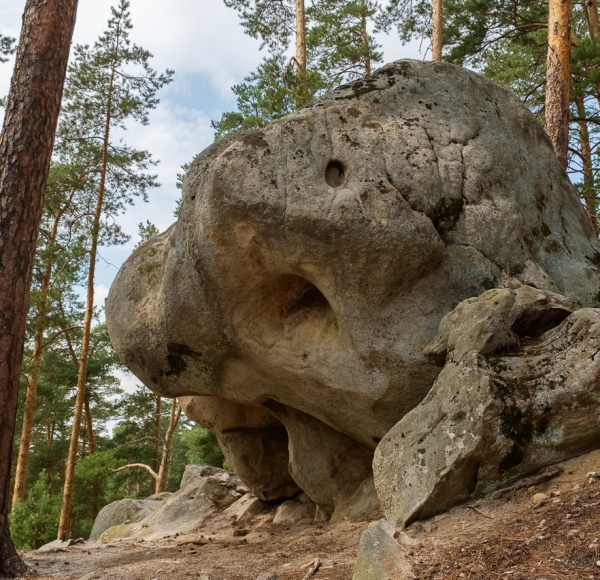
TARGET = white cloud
x,y
100,294
205,45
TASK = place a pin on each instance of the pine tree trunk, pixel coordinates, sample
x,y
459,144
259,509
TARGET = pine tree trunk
x,y
591,10
161,480
25,150
155,464
558,77
89,425
33,378
589,191
436,30
65,509
365,37
301,95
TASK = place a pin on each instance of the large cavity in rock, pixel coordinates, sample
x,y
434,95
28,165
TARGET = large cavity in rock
x,y
314,260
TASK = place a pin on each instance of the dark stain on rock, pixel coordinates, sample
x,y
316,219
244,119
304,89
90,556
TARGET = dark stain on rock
x,y
255,139
354,112
446,214
175,358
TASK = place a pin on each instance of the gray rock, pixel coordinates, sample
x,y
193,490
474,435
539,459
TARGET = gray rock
x,y
244,509
162,496
314,260
292,512
204,491
380,556
124,511
519,391
196,474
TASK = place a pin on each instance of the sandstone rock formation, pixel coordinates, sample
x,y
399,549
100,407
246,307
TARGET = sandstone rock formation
x,y
314,260
204,491
125,511
520,390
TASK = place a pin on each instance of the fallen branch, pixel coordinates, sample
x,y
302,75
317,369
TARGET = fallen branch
x,y
140,465
313,569
480,512
547,474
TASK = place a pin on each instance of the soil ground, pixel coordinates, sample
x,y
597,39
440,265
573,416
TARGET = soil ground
x,y
503,536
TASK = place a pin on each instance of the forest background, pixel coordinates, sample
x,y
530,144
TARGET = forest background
x,y
79,425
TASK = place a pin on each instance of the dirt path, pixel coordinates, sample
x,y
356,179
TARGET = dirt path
x,y
503,536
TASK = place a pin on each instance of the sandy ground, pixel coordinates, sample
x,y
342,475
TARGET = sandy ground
x,y
505,535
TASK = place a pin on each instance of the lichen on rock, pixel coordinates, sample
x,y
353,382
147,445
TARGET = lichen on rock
x,y
314,260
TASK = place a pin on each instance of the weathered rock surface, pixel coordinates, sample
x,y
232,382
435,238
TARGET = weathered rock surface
x,y
520,390
314,260
124,511
203,491
380,556
294,511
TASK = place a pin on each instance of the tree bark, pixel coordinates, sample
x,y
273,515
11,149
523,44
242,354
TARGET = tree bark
x,y
591,11
589,191
65,509
365,37
558,77
161,480
89,425
436,30
25,150
155,464
301,95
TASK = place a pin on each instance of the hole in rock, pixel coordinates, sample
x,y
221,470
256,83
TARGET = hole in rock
x,y
536,321
335,173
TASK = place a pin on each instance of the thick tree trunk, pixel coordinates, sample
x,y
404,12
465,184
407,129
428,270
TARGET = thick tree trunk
x,y
25,150
558,76
589,191
436,30
65,509
161,479
301,95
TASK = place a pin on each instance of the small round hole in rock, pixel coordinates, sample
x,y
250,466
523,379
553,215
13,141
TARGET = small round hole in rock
x,y
335,173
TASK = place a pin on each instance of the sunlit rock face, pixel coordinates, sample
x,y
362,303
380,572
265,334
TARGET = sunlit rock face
x,y
314,259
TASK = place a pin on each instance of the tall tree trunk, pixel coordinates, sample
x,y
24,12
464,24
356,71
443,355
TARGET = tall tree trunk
x,y
558,76
25,150
89,426
161,479
34,375
155,464
589,191
591,11
437,19
365,37
301,92
65,509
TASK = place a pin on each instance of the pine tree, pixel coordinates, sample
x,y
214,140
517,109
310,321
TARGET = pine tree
x,y
108,85
25,149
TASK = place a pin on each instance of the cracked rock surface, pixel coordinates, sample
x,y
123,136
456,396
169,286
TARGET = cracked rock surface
x,y
314,260
520,390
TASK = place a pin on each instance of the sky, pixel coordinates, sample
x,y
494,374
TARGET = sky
x,y
203,42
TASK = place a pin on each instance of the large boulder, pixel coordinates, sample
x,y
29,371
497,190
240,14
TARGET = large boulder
x,y
124,511
520,390
203,491
314,260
